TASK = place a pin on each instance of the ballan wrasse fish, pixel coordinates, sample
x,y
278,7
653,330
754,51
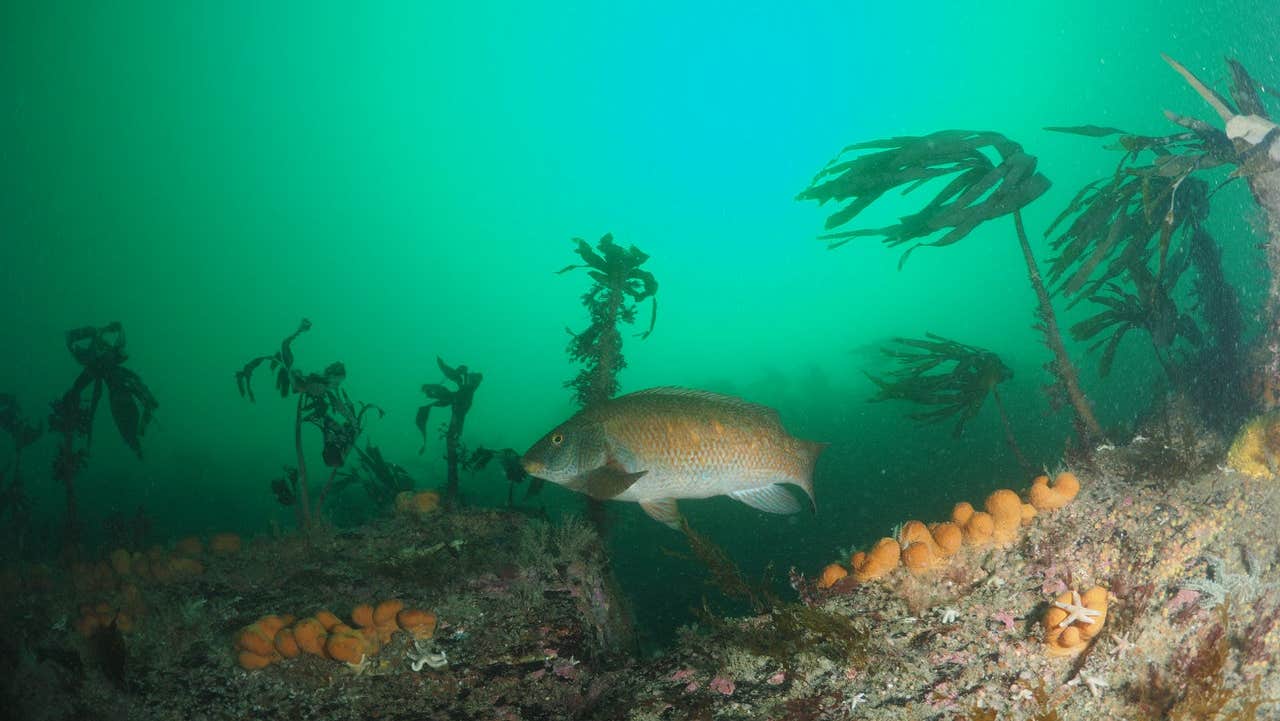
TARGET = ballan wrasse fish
x,y
658,445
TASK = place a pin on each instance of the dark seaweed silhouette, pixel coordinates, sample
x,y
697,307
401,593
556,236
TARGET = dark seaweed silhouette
x,y
954,377
13,497
323,403
979,190
512,468
1155,198
380,478
458,401
101,355
620,284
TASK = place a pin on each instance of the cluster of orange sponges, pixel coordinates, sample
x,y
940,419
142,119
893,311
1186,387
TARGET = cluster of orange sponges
x,y
95,616
323,634
421,503
1073,620
921,547
155,564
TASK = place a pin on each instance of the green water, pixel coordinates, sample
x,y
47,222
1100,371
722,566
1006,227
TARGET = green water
x,y
409,178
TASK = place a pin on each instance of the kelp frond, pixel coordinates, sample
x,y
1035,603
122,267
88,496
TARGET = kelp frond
x,y
937,371
979,191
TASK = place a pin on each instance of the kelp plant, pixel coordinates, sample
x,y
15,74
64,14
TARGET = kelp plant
x,y
979,190
620,285
512,469
323,403
13,497
1123,225
458,401
101,356
954,377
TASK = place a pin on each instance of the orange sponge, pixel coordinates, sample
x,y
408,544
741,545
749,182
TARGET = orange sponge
x,y
251,661
257,639
362,615
286,644
225,543
422,624
1048,498
878,562
979,529
345,645
831,574
385,613
310,636
947,537
919,557
327,619
384,618
189,546
1006,514
916,532
961,514
1066,634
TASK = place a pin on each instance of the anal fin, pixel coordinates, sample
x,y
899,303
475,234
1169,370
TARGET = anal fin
x,y
664,511
773,498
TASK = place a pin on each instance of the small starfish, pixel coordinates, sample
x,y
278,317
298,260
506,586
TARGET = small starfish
x,y
423,655
360,666
949,615
1095,684
856,700
1122,645
1076,611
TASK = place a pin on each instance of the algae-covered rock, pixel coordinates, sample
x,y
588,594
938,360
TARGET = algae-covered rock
x,y
1254,450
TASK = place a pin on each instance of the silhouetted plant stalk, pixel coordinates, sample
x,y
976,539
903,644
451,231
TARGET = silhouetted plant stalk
x,y
323,403
619,285
458,400
14,497
100,353
1087,426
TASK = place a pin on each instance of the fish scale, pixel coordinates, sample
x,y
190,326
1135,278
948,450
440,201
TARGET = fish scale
x,y
655,446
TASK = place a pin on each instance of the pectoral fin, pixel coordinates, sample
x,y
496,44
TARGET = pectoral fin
x,y
663,510
609,480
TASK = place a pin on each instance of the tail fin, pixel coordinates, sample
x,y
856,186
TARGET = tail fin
x,y
811,451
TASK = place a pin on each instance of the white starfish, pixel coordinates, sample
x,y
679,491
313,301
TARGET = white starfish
x,y
1076,611
949,615
360,666
422,655
856,699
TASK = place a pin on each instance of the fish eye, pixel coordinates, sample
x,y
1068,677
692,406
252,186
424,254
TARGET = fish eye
x,y
557,439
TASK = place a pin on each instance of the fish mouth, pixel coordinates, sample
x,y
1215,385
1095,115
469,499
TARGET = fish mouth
x,y
533,468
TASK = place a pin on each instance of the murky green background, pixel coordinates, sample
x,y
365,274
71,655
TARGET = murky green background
x,y
409,176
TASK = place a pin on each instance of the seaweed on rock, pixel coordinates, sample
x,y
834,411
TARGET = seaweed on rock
x,y
100,351
965,375
323,403
979,190
458,400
